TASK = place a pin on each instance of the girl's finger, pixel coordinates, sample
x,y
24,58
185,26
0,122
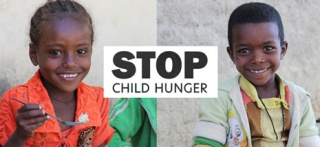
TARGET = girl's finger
x,y
31,128
31,114
28,107
35,120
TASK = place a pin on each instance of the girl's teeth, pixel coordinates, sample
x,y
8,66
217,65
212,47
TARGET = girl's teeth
x,y
258,71
68,75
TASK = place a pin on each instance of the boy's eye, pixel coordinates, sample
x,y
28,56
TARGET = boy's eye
x,y
243,51
55,52
81,51
268,48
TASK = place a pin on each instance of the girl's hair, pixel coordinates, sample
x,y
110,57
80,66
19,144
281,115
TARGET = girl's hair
x,y
57,10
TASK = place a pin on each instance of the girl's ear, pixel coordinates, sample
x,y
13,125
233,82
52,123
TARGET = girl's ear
x,y
284,48
33,54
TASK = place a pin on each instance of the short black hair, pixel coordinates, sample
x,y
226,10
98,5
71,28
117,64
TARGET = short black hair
x,y
255,12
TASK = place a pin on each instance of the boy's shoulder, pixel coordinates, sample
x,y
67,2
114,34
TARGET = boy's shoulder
x,y
294,88
230,84
233,83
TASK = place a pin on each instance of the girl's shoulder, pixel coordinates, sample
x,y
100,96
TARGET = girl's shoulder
x,y
16,92
8,105
95,90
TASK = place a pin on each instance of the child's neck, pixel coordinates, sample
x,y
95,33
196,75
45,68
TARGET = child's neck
x,y
268,90
64,103
58,95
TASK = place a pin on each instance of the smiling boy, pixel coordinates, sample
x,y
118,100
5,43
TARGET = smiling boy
x,y
258,107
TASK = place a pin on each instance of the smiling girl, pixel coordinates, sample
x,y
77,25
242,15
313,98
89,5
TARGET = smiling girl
x,y
61,36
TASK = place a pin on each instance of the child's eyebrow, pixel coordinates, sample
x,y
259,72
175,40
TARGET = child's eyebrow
x,y
62,44
264,43
54,44
84,44
241,45
269,42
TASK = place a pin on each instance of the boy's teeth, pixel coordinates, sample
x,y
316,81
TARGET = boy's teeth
x,y
258,71
68,75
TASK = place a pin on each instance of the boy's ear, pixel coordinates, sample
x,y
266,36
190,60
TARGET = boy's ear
x,y
33,54
284,48
230,52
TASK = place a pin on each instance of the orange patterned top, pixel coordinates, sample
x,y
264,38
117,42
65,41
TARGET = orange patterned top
x,y
89,100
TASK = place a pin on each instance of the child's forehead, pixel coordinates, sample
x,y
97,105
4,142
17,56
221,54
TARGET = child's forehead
x,y
267,31
64,25
67,20
254,25
69,31
262,27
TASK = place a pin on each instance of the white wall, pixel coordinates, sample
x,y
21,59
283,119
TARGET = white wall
x,y
116,22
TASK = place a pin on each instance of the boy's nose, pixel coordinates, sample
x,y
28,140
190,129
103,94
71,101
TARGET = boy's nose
x,y
70,61
258,57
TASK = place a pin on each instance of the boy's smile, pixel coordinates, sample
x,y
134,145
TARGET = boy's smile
x,y
63,54
256,51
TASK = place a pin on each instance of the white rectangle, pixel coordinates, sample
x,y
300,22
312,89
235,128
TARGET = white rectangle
x,y
203,84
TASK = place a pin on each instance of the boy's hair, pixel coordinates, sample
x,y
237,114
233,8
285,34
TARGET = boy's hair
x,y
254,12
57,10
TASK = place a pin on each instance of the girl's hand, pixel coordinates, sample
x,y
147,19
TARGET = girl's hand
x,y
29,118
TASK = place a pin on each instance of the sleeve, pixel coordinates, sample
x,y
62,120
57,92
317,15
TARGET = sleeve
x,y
204,142
103,133
308,131
213,123
126,118
7,119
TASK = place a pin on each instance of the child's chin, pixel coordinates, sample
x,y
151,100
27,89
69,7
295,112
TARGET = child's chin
x,y
69,88
257,81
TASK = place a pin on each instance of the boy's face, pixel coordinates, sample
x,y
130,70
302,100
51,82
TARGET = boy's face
x,y
256,51
63,54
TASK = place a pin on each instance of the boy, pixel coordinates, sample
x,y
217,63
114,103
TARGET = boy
x,y
258,107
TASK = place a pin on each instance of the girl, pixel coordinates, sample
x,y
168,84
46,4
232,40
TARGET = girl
x,y
61,36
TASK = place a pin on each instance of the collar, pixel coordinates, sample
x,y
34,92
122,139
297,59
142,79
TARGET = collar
x,y
251,91
86,103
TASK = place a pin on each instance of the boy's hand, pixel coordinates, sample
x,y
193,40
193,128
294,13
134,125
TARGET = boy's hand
x,y
29,117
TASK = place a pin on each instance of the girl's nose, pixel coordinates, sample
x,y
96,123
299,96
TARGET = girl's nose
x,y
70,61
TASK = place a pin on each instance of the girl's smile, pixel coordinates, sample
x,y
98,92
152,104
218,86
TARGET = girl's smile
x,y
63,54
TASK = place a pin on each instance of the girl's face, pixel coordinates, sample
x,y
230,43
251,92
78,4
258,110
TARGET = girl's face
x,y
63,54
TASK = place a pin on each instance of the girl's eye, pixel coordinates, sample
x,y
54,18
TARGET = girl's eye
x,y
81,51
55,52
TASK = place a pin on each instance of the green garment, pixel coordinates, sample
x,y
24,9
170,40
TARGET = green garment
x,y
205,141
134,118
